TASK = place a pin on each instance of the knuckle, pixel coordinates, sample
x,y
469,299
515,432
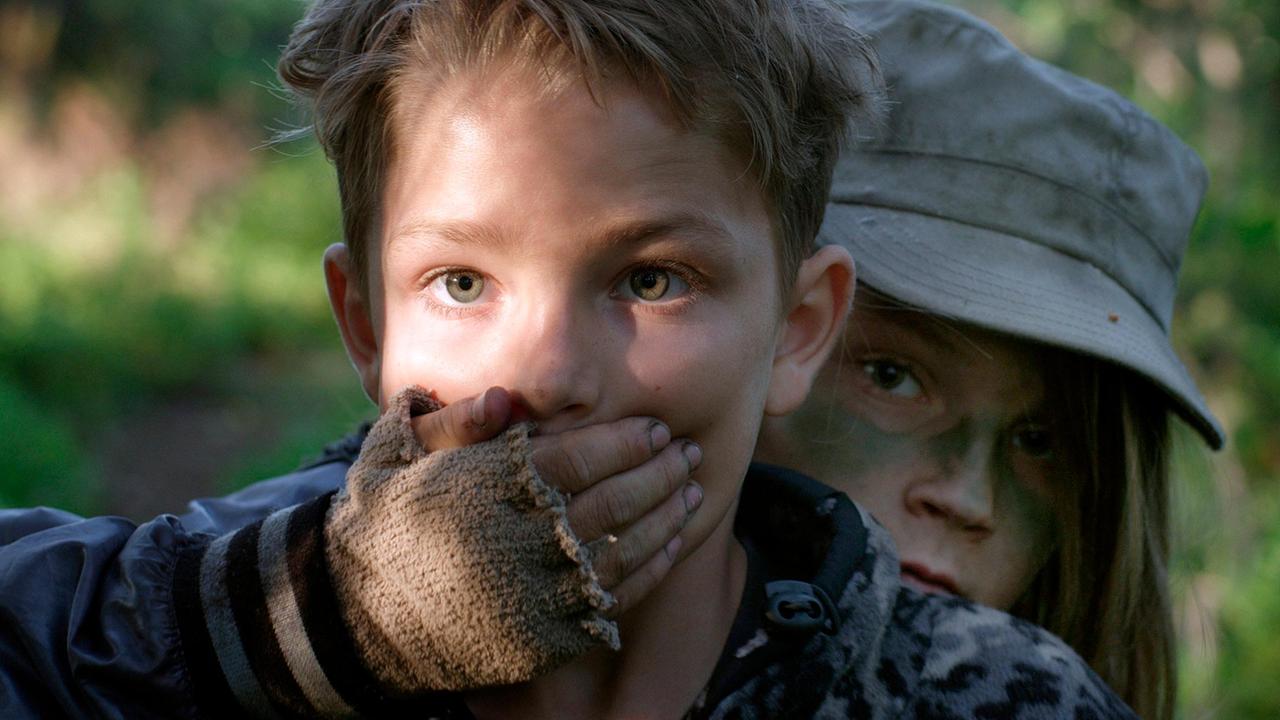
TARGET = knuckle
x,y
444,428
675,471
579,465
587,519
625,558
453,424
615,509
630,449
605,566
639,441
429,431
556,463
676,515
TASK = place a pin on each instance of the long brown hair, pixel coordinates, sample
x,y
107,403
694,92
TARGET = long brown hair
x,y
1105,590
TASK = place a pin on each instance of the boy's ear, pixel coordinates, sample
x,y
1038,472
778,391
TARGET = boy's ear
x,y
820,306
352,312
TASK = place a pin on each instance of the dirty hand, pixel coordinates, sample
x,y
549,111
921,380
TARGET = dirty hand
x,y
629,485
630,494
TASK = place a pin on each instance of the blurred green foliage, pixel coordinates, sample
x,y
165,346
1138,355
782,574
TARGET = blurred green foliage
x,y
154,58
89,342
113,304
1251,616
138,325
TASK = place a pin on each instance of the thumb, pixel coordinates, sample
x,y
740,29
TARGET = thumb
x,y
464,422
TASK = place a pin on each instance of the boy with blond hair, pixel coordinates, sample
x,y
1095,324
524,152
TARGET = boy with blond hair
x,y
597,217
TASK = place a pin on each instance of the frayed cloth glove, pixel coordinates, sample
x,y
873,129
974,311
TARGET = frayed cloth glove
x,y
427,572
457,569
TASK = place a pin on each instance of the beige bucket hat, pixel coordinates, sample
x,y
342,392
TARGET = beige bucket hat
x,y
1007,193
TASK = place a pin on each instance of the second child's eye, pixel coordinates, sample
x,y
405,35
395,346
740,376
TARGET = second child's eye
x,y
893,378
652,285
1034,441
457,287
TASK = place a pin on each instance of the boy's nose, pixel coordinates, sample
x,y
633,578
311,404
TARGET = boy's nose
x,y
554,364
957,485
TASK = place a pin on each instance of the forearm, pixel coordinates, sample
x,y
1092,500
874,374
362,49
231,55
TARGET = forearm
x,y
261,627
102,618
87,620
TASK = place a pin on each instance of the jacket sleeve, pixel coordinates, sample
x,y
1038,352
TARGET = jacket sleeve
x,y
260,627
86,621
88,624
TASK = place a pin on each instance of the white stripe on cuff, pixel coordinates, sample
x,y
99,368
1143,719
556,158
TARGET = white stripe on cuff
x,y
286,619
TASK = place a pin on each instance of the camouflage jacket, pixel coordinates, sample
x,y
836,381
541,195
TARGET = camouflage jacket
x,y
881,650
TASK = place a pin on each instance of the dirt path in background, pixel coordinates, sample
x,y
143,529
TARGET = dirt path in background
x,y
158,459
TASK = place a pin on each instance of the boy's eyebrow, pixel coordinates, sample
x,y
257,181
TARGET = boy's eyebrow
x,y
697,225
460,232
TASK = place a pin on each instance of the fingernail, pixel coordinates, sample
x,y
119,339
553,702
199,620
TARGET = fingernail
x,y
692,497
477,410
693,453
659,436
673,547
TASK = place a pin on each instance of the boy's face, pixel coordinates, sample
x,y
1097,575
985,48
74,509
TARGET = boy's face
x,y
599,263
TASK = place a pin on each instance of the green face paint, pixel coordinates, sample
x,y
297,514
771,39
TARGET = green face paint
x,y
939,432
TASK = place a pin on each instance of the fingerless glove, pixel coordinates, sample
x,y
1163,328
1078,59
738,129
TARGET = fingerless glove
x,y
426,573
457,569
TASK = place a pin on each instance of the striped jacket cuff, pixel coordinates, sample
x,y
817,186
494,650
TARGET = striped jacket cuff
x,y
261,629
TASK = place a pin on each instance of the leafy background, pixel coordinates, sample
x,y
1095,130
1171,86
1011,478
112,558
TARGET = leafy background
x,y
164,332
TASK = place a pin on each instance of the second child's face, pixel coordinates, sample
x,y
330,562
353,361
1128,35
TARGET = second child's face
x,y
940,432
601,263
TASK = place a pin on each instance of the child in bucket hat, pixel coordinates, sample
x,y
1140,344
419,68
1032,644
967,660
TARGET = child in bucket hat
x,y
1002,400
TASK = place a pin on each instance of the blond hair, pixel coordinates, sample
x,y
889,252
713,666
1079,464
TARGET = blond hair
x,y
776,80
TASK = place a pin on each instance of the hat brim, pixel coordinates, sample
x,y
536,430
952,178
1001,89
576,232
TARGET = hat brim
x,y
1004,283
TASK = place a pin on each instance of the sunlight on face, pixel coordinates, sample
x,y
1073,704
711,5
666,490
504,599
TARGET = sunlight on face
x,y
939,431
600,262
